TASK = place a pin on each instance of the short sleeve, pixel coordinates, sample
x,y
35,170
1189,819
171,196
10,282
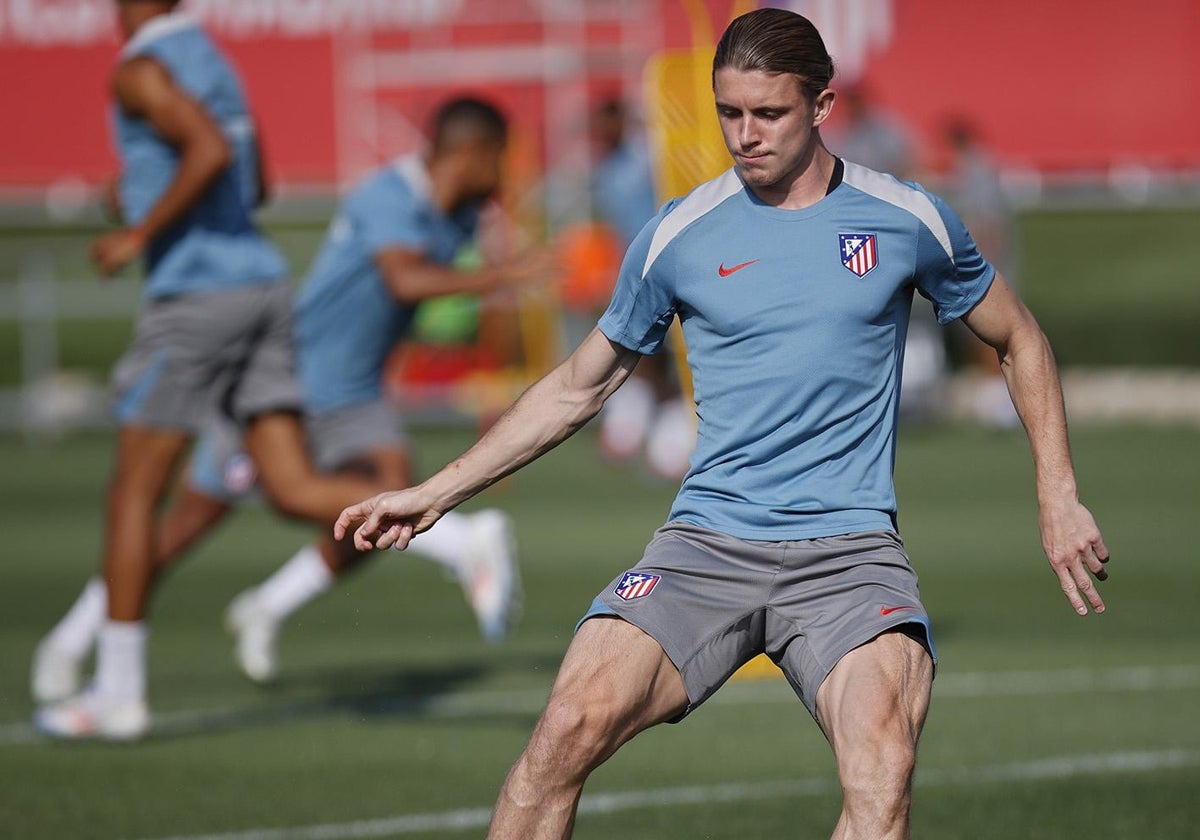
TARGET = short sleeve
x,y
950,271
388,216
643,302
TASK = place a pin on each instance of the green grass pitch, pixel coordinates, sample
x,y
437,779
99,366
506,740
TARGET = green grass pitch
x,y
393,720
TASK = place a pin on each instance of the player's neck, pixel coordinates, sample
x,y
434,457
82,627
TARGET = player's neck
x,y
807,184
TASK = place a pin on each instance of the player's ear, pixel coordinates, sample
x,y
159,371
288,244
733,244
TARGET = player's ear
x,y
823,106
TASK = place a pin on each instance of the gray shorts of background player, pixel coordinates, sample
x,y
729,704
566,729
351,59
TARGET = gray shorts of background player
x,y
222,470
719,601
195,355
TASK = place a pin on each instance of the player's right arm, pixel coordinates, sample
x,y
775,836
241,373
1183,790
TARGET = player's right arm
x,y
143,88
548,413
412,277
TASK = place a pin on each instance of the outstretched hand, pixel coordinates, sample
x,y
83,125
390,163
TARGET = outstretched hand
x,y
113,251
389,520
1076,552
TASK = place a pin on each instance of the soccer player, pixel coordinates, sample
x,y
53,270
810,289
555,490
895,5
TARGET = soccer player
x,y
793,274
389,247
215,331
649,411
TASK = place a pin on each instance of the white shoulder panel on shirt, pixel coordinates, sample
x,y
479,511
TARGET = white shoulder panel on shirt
x,y
886,188
699,201
155,28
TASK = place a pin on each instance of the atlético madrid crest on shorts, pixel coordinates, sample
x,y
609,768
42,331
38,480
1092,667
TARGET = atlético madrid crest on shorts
x,y
859,252
636,585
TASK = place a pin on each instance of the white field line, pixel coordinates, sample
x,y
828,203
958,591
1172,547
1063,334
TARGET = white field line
x,y
530,701
1055,768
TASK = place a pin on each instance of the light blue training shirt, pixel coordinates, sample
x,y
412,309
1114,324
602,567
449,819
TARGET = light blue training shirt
x,y
215,245
795,323
346,319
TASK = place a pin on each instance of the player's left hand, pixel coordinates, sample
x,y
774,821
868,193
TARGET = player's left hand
x,y
113,251
1076,552
387,520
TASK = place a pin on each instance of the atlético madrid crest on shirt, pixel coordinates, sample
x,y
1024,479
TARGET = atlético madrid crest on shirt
x,y
859,252
636,585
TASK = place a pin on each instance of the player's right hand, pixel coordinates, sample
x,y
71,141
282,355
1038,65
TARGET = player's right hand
x,y
536,265
113,251
389,520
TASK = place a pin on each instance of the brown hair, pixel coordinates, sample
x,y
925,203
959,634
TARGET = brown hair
x,y
776,41
468,118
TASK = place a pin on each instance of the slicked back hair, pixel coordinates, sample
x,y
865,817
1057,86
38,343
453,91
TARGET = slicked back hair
x,y
468,119
776,41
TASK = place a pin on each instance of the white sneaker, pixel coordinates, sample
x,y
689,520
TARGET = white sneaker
x,y
55,674
91,715
255,632
489,575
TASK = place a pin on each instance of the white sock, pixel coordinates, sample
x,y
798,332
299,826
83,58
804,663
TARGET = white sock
x,y
76,632
446,543
121,660
295,583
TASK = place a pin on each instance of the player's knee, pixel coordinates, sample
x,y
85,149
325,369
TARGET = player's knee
x,y
287,492
285,500
574,733
877,779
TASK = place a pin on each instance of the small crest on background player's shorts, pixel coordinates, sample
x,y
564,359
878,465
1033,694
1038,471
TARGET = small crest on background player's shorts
x,y
859,252
636,585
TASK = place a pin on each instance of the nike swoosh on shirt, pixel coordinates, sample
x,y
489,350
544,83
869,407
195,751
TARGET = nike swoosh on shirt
x,y
890,610
725,272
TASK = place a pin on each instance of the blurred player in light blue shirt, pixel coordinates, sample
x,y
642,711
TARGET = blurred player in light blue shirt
x,y
389,247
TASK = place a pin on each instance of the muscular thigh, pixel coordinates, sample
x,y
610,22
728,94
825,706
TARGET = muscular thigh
x,y
614,665
878,690
835,595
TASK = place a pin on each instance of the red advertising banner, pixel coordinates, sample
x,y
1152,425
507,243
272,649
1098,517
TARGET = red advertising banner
x,y
338,84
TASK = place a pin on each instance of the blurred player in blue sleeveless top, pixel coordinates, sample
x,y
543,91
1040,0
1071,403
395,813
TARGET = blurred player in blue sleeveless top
x,y
793,276
214,334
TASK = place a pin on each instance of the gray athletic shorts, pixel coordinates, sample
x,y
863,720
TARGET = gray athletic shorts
x,y
195,355
222,470
714,602
335,438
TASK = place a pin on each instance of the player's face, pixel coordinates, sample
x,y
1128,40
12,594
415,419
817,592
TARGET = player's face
x,y
484,171
769,124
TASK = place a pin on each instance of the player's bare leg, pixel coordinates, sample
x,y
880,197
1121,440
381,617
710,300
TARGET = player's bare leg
x,y
289,480
144,462
872,707
114,706
189,517
59,659
615,681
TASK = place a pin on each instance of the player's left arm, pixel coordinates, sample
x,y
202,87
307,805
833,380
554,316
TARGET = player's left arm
x,y
1072,541
144,88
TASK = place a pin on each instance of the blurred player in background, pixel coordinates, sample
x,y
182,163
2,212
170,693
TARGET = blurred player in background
x,y
874,137
214,333
389,247
978,196
793,274
650,412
